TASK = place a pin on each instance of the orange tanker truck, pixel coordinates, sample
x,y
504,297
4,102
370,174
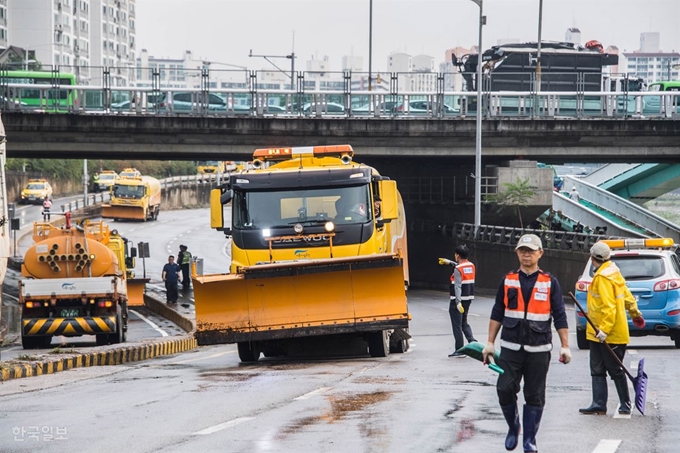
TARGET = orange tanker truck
x,y
76,281
134,198
318,247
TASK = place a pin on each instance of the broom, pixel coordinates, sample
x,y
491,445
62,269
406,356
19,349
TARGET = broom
x,y
639,382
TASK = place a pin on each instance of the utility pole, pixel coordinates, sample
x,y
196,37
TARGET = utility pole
x,y
538,51
370,45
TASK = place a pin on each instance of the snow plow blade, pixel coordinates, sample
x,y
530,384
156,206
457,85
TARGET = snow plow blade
x,y
123,212
135,291
299,299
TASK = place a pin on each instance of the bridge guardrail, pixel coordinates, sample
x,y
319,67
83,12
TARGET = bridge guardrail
x,y
552,240
252,101
166,183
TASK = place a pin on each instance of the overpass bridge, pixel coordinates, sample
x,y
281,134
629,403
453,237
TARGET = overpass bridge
x,y
189,137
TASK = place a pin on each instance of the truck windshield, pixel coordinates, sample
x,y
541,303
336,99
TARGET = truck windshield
x,y
342,205
128,191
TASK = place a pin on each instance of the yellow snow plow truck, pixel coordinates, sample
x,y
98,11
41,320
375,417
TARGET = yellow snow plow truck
x,y
318,248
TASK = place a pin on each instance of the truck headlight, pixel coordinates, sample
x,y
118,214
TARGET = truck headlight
x,y
329,226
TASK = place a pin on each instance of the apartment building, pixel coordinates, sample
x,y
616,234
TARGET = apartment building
x,y
113,37
79,36
58,31
650,62
4,43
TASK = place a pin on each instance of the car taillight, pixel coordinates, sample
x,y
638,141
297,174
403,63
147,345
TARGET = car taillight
x,y
667,285
582,286
162,104
674,313
400,108
580,314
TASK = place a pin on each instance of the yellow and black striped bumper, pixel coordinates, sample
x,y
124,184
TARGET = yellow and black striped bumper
x,y
69,326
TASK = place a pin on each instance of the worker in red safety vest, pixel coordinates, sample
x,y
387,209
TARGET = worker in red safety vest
x,y
462,293
528,299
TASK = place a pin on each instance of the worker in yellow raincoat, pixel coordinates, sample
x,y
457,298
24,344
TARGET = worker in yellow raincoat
x,y
608,301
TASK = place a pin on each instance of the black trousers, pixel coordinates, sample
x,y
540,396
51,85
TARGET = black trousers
x,y
186,281
602,361
459,323
171,290
518,365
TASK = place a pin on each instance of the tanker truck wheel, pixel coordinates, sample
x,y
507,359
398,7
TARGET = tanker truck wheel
x,y
378,344
248,351
119,335
36,342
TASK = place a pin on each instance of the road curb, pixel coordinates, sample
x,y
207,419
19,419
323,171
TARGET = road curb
x,y
117,356
162,309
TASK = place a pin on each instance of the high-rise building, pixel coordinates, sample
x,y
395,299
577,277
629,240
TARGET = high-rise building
x,y
399,62
58,31
319,69
650,63
352,63
4,43
113,38
79,36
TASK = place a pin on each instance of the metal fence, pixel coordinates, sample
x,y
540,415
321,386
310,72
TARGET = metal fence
x,y
166,183
208,92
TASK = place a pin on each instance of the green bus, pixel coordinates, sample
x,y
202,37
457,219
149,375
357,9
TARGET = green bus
x,y
57,99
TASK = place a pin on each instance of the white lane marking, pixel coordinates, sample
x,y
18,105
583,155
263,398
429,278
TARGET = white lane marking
x,y
632,351
607,446
151,323
205,358
221,426
306,396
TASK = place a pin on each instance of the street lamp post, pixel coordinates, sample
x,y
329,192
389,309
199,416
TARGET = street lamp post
x,y
370,45
538,49
478,146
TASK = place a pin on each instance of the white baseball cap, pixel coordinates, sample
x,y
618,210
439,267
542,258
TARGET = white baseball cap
x,y
600,251
530,241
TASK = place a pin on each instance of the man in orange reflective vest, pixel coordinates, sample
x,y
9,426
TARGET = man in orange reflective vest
x,y
462,293
527,300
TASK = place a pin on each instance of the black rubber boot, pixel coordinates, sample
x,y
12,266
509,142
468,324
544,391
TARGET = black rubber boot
x,y
624,397
511,415
599,404
531,421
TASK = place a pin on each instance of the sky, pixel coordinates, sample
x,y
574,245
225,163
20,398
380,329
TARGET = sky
x,y
224,31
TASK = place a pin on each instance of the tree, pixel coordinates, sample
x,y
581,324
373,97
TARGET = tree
x,y
17,62
515,195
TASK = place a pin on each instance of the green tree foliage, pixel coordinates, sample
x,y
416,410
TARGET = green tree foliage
x,y
15,62
515,195
72,169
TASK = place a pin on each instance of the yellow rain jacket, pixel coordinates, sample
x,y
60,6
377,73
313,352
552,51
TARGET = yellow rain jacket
x,y
608,300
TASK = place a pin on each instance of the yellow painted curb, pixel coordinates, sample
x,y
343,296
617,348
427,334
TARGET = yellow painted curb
x,y
119,355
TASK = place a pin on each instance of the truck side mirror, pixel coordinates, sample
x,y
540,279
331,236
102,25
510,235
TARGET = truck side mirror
x,y
133,252
226,196
390,200
216,210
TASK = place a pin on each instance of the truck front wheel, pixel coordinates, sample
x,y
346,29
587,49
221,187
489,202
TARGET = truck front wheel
x,y
378,344
248,351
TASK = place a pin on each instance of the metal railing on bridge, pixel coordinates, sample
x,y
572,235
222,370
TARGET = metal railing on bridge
x,y
552,240
153,91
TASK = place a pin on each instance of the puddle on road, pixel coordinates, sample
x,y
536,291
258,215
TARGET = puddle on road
x,y
342,407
